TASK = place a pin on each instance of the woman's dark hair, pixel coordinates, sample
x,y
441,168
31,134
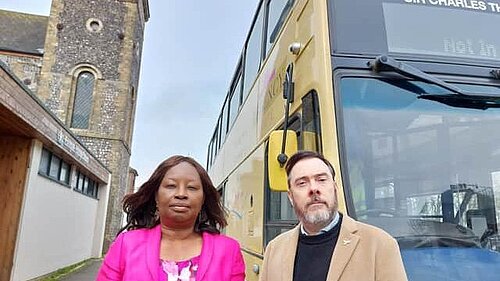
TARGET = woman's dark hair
x,y
140,206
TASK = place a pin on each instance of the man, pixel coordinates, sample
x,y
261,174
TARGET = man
x,y
327,245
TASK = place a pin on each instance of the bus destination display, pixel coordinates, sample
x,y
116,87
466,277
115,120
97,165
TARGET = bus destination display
x,y
454,28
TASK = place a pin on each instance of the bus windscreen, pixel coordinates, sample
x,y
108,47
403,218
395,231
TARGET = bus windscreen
x,y
430,30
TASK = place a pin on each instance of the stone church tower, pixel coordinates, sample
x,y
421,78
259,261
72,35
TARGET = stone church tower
x,y
89,79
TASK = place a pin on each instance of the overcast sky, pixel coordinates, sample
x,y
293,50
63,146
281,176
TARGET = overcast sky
x,y
191,48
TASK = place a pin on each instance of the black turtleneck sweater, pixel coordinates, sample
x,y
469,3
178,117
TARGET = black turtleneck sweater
x,y
314,254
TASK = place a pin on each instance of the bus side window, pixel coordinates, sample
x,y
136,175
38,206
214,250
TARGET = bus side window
x,y
278,11
220,137
209,153
310,123
253,55
224,120
235,102
217,138
221,189
278,213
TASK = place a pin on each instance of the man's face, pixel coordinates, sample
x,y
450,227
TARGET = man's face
x,y
313,192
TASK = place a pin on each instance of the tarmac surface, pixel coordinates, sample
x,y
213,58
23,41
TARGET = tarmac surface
x,y
85,273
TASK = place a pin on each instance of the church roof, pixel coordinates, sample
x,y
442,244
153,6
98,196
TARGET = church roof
x,y
23,33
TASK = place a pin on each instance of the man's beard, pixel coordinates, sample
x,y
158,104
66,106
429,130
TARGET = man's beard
x,y
318,216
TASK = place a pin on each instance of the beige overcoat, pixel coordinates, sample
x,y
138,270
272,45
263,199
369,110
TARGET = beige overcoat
x,y
362,253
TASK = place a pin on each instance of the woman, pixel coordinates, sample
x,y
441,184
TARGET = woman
x,y
173,224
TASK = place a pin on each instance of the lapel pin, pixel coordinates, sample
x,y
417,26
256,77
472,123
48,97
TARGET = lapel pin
x,y
346,242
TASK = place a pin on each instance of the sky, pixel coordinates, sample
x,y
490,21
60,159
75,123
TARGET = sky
x,y
190,52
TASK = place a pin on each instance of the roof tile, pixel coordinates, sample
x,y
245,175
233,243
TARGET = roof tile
x,y
24,33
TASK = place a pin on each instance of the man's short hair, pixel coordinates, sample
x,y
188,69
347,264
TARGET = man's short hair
x,y
306,154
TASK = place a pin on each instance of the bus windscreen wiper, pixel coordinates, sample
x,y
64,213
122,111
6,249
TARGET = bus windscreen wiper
x,y
456,99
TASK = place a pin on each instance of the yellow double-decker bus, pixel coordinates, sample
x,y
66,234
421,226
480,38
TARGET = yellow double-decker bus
x,y
402,96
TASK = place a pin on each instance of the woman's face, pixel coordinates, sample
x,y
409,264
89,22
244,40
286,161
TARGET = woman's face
x,y
180,196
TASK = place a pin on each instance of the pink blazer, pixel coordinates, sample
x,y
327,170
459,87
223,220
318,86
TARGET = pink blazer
x,y
135,256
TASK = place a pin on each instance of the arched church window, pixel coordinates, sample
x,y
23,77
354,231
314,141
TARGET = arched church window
x,y
82,105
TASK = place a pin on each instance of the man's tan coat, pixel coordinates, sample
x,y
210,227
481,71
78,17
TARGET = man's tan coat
x,y
362,253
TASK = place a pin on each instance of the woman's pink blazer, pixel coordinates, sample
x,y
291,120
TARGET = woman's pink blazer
x,y
135,256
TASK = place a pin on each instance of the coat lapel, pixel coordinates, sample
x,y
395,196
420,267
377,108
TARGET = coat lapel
x,y
289,255
153,251
346,244
207,250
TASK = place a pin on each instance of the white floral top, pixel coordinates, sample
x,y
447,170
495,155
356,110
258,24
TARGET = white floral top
x,y
181,270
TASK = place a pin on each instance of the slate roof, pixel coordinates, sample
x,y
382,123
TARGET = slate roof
x,y
23,33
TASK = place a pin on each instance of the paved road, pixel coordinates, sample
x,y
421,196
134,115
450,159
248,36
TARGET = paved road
x,y
86,273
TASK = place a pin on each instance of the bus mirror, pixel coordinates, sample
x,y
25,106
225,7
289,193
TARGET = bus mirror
x,y
276,171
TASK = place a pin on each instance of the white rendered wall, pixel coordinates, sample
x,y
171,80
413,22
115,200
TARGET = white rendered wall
x,y
58,227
